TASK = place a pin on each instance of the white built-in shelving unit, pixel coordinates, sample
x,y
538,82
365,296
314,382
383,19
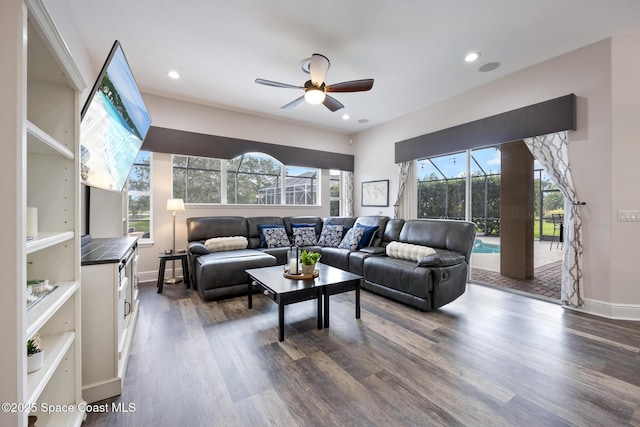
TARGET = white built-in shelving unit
x,y
48,178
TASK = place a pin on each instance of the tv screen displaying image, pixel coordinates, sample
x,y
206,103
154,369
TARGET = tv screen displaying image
x,y
114,123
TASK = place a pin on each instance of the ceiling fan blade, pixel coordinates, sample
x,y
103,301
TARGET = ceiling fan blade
x,y
292,103
351,86
332,104
318,69
277,84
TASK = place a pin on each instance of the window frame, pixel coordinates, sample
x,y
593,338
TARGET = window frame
x,y
139,193
282,177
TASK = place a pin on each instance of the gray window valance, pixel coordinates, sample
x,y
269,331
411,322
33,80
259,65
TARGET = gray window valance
x,y
172,141
546,117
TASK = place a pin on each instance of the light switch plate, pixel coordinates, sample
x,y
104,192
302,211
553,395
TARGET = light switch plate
x,y
628,215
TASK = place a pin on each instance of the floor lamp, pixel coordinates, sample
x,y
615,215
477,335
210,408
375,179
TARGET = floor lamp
x,y
175,205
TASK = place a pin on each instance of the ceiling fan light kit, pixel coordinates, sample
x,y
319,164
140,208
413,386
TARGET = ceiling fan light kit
x,y
315,90
314,96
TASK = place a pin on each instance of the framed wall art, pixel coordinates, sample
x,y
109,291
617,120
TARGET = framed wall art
x,y
375,193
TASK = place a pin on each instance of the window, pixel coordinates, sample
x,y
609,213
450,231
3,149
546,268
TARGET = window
x,y
139,197
254,178
442,187
334,193
197,179
249,179
300,185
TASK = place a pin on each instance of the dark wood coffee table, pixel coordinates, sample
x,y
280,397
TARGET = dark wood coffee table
x,y
283,291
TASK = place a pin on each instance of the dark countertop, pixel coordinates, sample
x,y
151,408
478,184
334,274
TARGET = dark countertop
x,y
107,250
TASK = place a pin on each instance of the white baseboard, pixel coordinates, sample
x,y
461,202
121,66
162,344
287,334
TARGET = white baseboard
x,y
610,310
152,276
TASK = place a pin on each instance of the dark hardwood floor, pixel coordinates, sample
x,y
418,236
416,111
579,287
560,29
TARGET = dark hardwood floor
x,y
490,358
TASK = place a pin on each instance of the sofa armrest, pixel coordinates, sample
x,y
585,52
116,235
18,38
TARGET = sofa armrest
x,y
197,248
373,250
441,259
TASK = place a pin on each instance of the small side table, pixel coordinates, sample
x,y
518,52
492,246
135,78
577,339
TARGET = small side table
x,y
184,257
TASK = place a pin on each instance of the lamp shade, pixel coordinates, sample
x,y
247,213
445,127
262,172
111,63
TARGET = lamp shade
x,y
175,205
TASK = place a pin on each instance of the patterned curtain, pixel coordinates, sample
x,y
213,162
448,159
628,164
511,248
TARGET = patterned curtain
x,y
399,208
552,153
346,193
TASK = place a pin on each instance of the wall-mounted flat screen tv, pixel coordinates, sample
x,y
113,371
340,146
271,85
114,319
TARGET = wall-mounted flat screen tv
x,y
114,123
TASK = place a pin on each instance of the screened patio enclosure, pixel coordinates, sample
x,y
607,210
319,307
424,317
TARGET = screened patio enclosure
x,y
442,188
298,190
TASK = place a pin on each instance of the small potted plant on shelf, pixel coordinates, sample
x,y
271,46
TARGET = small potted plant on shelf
x,y
309,260
35,355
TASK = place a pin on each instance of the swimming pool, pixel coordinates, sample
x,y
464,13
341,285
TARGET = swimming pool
x,y
480,247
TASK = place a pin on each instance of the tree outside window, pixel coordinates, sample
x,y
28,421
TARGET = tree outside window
x,y
334,193
139,215
249,179
197,179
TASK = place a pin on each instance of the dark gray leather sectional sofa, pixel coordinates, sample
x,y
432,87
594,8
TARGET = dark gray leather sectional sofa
x,y
425,284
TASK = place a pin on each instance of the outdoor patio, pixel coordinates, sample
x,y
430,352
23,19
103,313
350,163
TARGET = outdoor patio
x,y
547,262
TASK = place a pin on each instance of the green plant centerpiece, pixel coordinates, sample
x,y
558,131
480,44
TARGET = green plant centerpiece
x,y
309,260
35,355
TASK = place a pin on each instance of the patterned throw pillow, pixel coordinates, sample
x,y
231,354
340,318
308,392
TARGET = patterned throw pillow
x,y
304,236
352,238
263,242
276,237
331,236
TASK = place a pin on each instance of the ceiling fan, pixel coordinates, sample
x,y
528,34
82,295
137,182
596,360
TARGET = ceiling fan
x,y
315,89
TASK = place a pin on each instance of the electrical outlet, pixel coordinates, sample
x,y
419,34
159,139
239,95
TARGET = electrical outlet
x,y
628,215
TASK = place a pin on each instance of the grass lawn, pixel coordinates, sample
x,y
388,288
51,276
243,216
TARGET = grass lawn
x,y
547,228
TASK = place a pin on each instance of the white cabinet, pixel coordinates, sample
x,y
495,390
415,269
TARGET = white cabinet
x,y
109,314
41,93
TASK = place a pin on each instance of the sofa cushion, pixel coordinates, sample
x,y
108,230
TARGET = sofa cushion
x,y
352,238
261,227
219,244
304,236
331,236
399,274
276,237
203,228
408,251
442,258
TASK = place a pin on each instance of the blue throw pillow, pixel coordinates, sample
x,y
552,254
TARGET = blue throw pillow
x,y
304,225
263,242
367,237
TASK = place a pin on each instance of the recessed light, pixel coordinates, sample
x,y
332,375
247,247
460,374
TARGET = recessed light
x,y
345,117
173,74
363,121
472,56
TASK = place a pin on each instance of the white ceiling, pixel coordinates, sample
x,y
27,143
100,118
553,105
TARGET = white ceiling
x,y
413,49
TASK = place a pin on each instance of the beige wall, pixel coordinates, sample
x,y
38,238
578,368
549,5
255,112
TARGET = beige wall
x,y
625,186
602,150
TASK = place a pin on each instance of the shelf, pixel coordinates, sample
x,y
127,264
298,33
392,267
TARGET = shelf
x,y
40,142
46,308
55,347
46,239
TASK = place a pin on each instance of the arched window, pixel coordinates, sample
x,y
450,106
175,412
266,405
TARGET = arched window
x,y
249,179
